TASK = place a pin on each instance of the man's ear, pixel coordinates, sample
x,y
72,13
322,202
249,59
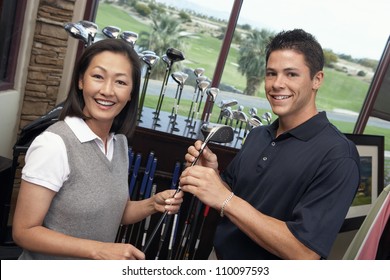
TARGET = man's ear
x,y
317,80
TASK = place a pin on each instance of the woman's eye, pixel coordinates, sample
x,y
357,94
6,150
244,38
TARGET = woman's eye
x,y
97,76
122,83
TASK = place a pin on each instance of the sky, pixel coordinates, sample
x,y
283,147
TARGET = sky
x,y
358,28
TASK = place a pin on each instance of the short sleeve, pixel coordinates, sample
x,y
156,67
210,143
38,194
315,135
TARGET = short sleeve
x,y
46,162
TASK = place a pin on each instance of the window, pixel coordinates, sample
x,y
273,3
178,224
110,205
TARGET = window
x,y
11,21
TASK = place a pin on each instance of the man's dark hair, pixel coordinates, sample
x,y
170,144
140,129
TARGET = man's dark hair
x,y
125,121
302,42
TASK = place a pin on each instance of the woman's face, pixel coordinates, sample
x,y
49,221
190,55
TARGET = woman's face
x,y
106,87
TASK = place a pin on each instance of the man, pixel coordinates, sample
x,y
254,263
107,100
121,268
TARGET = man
x,y
286,193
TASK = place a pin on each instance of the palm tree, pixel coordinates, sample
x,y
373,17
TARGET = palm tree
x,y
251,59
166,33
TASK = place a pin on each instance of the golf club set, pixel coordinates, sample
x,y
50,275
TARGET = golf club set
x,y
175,236
86,31
241,121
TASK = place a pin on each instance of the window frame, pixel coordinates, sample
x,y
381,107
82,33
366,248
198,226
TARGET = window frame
x,y
13,25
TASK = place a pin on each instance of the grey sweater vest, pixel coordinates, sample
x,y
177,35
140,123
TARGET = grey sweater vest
x,y
91,202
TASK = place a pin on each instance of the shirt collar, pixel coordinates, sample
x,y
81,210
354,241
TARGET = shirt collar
x,y
306,130
82,130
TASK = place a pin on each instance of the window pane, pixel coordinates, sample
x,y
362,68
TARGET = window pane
x,y
352,50
343,28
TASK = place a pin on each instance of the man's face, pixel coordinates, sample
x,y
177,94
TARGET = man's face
x,y
289,88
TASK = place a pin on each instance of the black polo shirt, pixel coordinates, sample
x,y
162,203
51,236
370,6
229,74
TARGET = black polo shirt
x,y
306,177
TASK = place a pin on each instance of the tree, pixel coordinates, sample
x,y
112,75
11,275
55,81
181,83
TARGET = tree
x,y
251,59
330,58
166,33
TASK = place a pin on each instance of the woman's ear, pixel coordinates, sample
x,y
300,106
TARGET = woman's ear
x,y
80,83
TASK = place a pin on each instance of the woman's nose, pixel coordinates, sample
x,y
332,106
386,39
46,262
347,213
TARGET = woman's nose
x,y
107,88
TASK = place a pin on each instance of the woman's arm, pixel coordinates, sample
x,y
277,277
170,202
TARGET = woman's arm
x,y
31,208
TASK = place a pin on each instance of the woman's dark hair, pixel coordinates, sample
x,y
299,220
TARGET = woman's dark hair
x,y
302,42
126,121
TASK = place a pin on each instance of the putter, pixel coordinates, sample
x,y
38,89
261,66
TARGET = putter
x,y
217,134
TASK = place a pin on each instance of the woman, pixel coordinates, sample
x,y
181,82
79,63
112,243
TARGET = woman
x,y
74,195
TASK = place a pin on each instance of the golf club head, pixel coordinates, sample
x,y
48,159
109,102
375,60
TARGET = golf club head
x,y
166,60
150,59
235,115
129,36
212,92
242,116
200,79
203,85
217,133
111,31
199,72
227,112
267,116
255,122
91,28
175,55
253,111
227,103
77,31
177,77
240,108
148,52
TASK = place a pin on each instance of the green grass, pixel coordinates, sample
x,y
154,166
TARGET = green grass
x,y
110,15
341,91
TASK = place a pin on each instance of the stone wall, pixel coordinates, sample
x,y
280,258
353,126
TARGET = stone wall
x,y
47,58
45,69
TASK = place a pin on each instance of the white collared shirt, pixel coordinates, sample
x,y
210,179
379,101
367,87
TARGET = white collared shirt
x,y
47,161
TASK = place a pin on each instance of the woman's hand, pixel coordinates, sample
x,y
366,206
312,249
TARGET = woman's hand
x,y
117,251
168,201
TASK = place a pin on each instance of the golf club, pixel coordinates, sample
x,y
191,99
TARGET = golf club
x,y
77,31
212,94
129,36
111,31
220,134
150,60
